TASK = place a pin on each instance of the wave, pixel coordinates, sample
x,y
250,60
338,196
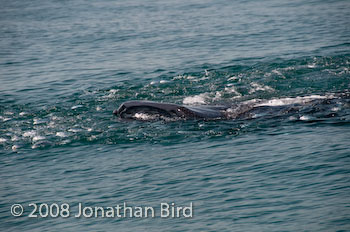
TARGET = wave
x,y
310,89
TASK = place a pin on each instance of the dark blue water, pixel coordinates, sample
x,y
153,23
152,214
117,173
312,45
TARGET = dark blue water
x,y
66,65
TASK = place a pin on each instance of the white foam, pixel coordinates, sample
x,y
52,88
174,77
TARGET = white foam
x,y
40,144
259,87
111,94
275,71
37,121
92,137
288,68
143,116
290,101
218,95
231,89
4,119
37,138
55,118
76,107
3,140
51,124
232,78
66,141
198,99
29,133
98,108
14,138
304,118
163,81
14,147
335,109
61,134
188,77
23,113
74,130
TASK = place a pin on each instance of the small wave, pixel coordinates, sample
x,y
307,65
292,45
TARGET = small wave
x,y
4,119
259,87
188,77
61,134
232,90
37,121
41,144
31,133
76,107
15,138
304,118
290,101
37,138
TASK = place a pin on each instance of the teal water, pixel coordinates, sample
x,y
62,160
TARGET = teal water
x,y
65,66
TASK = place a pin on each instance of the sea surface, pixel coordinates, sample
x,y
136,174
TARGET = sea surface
x,y
66,65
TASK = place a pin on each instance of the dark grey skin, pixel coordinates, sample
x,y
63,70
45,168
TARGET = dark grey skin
x,y
318,108
128,109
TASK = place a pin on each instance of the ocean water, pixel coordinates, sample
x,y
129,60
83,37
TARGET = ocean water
x,y
66,65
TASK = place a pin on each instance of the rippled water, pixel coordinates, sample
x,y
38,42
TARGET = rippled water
x,y
284,165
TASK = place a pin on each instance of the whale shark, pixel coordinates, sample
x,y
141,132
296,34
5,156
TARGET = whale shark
x,y
142,109
315,106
